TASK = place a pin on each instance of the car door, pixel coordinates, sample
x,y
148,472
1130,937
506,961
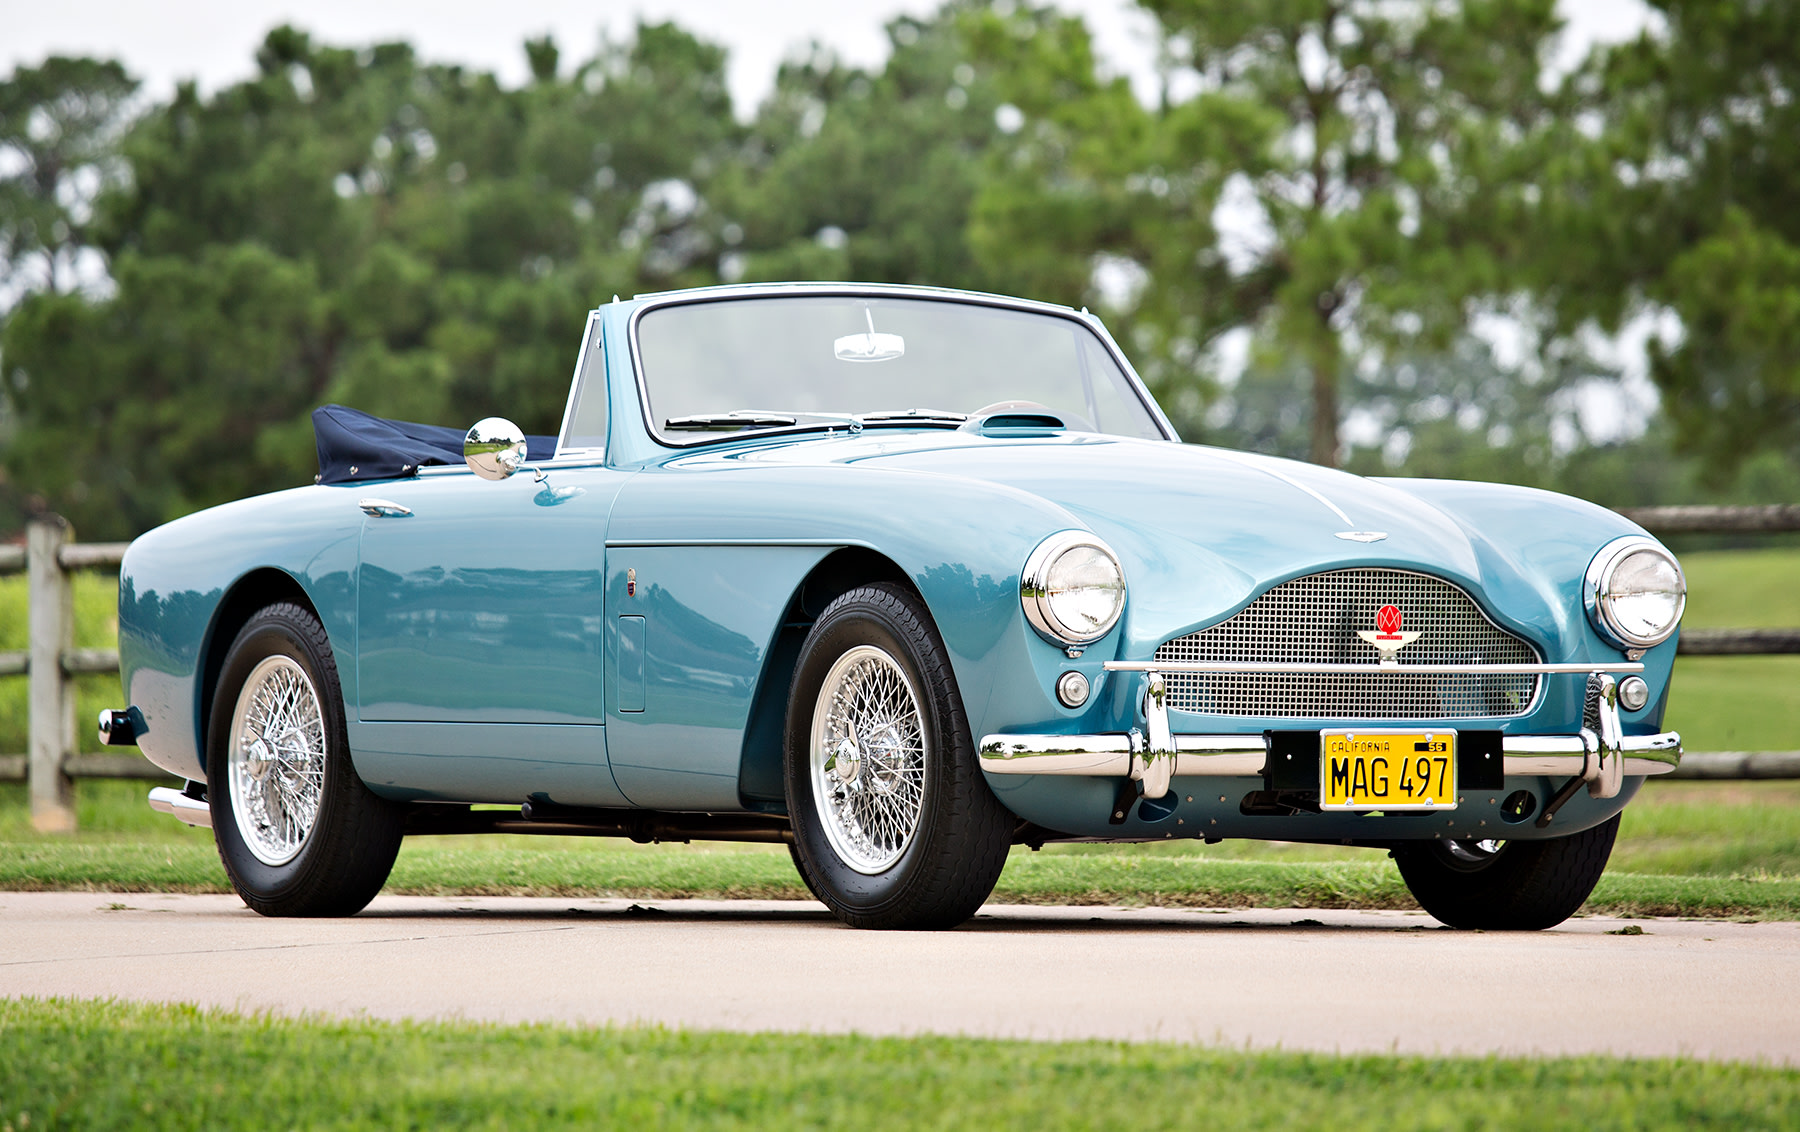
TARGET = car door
x,y
480,614
694,616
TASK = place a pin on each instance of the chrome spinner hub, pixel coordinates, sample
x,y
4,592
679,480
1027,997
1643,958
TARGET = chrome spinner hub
x,y
885,766
846,761
258,759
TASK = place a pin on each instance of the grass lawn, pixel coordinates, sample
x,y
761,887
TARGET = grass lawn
x,y
1739,703
1686,848
107,1065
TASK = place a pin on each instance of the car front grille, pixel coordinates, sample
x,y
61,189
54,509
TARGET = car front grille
x,y
1315,620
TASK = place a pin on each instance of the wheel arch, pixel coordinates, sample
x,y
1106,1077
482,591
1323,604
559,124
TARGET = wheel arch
x,y
759,765
254,591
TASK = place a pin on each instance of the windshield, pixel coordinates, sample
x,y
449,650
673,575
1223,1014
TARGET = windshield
x,y
826,360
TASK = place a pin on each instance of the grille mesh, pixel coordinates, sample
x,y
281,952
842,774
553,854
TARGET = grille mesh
x,y
1315,619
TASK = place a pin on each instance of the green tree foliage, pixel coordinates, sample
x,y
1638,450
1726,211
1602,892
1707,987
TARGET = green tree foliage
x,y
420,242
1092,198
1686,204
1349,186
1372,159
59,125
854,174
161,393
356,226
1732,385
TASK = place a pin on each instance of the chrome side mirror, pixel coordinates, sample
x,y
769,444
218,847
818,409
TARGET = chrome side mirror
x,y
494,449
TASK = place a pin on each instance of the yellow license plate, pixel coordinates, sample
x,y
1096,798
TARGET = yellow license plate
x,y
1373,769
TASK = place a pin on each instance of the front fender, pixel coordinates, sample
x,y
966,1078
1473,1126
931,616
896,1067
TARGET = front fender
x,y
961,542
1535,547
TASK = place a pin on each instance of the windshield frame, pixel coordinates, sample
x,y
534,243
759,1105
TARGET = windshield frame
x,y
648,303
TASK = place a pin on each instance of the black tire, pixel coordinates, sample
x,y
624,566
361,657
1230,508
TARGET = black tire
x,y
794,854
341,857
1521,886
944,869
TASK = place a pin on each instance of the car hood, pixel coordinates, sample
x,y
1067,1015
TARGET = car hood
x,y
1200,531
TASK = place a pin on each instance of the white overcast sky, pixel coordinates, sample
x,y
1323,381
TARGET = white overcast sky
x,y
214,41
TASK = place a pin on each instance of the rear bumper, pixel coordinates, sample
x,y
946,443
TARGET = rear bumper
x,y
1599,753
182,805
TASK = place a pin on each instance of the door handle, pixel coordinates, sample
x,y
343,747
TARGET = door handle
x,y
383,509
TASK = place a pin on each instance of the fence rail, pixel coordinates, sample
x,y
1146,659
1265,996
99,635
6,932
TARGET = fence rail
x,y
1738,642
1739,764
50,556
1770,519
13,768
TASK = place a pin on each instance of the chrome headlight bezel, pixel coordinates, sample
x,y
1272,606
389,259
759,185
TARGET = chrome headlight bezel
x,y
1597,592
1036,597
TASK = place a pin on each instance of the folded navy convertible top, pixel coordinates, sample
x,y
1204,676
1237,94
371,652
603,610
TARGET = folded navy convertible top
x,y
356,446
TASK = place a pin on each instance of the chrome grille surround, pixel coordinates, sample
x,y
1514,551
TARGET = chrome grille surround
x,y
1314,619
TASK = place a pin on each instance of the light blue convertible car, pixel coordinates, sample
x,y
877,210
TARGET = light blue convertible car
x,y
903,578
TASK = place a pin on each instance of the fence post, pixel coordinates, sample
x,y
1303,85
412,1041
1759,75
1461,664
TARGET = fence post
x,y
52,692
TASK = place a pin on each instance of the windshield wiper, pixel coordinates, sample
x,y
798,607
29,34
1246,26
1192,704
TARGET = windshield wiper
x,y
757,418
743,418
929,415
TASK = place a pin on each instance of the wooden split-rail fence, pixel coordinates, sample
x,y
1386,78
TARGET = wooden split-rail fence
x,y
50,558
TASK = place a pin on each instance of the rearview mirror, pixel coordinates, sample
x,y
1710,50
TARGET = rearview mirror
x,y
494,449
870,347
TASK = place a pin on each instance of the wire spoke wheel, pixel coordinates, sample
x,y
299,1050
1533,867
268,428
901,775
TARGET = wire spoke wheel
x,y
894,826
277,753
299,832
869,753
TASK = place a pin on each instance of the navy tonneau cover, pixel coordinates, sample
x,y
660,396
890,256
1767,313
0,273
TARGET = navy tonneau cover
x,y
356,446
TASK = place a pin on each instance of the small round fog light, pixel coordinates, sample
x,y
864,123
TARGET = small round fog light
x,y
1634,693
1072,689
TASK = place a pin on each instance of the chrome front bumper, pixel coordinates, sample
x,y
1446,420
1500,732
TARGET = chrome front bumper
x,y
1600,753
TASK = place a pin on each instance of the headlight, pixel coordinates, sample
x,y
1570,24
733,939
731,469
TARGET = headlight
x,y
1073,589
1635,592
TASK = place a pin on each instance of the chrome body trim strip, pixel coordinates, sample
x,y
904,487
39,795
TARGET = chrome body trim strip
x,y
168,800
1378,669
579,458
613,544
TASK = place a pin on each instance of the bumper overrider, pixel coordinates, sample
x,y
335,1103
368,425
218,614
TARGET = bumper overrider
x,y
1599,754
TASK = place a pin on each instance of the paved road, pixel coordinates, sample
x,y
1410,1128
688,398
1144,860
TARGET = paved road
x,y
1296,979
